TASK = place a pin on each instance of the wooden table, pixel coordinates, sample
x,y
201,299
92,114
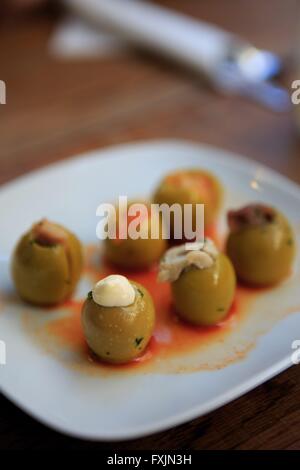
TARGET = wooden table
x,y
56,109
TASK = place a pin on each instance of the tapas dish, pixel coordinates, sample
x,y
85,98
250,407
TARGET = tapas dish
x,y
127,320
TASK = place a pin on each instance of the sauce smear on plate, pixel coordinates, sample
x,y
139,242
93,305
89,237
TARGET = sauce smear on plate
x,y
172,337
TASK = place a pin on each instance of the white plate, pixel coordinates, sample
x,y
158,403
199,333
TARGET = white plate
x,y
123,406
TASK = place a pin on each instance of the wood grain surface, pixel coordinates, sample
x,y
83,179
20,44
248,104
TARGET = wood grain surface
x,y
56,109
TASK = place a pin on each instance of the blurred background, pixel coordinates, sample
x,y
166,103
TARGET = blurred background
x,y
71,88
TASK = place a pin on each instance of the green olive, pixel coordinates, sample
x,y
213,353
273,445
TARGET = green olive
x,y
119,334
204,296
191,187
46,269
138,253
261,250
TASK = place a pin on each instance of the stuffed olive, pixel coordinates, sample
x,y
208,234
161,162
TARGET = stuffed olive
x,y
118,319
137,252
191,187
47,264
202,281
260,244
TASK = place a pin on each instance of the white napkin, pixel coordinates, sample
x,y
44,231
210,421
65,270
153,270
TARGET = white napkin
x,y
75,38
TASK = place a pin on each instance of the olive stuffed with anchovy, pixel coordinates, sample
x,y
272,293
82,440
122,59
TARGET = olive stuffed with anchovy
x,y
46,264
260,244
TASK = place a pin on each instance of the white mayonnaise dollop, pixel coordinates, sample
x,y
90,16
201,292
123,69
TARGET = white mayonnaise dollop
x,y
113,291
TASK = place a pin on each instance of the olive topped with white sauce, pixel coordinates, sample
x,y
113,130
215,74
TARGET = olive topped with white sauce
x,y
118,319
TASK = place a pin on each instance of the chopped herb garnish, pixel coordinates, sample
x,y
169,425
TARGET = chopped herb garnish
x,y
138,341
90,295
290,241
141,292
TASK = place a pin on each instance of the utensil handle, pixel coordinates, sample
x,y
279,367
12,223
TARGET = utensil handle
x,y
188,41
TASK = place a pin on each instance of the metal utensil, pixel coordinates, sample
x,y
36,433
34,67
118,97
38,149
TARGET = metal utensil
x,y
231,64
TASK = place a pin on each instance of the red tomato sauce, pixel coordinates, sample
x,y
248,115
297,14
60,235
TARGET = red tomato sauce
x,y
171,336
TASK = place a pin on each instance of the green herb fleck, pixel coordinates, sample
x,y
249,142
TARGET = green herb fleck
x,y
90,295
141,292
290,241
138,341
